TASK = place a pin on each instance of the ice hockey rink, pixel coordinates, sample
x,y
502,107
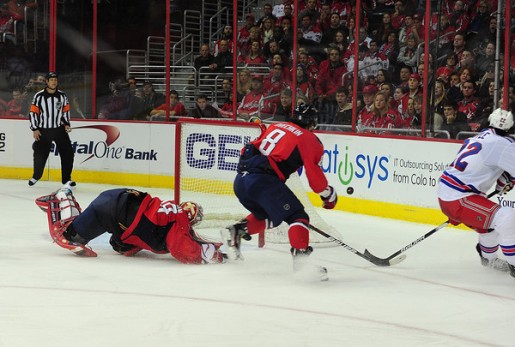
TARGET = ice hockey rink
x,y
439,296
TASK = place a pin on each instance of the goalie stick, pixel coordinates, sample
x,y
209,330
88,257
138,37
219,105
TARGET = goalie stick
x,y
387,261
367,255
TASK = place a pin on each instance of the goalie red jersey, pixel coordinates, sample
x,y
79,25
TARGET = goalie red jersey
x,y
136,221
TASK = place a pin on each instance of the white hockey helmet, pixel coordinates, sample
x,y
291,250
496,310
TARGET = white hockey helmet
x,y
501,119
194,211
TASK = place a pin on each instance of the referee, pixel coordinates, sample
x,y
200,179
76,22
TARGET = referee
x,y
50,121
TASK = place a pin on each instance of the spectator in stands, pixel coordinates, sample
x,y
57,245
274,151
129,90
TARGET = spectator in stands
x,y
151,98
329,79
250,104
255,56
450,66
390,49
286,11
203,109
445,33
486,105
408,54
486,60
439,98
398,94
381,115
267,30
226,110
17,10
226,36
416,120
454,90
329,33
6,25
324,19
310,65
414,89
404,30
366,113
350,61
468,104
224,57
267,14
14,107
486,34
283,110
481,18
386,27
383,76
339,42
176,108
310,10
244,33
374,60
417,29
205,59
304,86
343,114
459,18
254,35
343,9
116,106
397,17
243,84
454,120
404,75
283,34
137,105
271,49
458,45
467,60
309,35
387,89
275,82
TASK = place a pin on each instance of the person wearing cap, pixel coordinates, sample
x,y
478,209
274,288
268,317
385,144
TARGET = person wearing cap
x,y
244,33
366,114
414,89
50,122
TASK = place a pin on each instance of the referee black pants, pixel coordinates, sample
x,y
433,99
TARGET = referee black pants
x,y
42,150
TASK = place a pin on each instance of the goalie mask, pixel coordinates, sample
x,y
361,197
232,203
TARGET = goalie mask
x,y
194,211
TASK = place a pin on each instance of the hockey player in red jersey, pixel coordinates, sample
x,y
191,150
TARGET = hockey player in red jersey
x,y
260,185
136,221
483,161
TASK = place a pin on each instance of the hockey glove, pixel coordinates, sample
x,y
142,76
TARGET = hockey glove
x,y
329,198
504,183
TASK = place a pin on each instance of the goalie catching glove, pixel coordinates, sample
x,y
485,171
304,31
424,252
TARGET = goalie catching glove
x,y
504,183
329,198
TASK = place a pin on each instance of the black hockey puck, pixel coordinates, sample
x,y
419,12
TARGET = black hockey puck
x,y
350,190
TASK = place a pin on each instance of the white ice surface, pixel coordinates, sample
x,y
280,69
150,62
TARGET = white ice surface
x,y
439,296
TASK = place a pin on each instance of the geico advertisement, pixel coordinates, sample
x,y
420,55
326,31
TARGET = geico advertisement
x,y
113,147
397,171
214,148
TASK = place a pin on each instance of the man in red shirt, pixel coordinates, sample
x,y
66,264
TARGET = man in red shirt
x,y
260,185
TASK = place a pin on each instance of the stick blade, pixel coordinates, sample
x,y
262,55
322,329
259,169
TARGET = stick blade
x,y
383,262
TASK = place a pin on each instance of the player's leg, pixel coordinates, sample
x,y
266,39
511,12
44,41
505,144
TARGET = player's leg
x,y
64,146
41,152
504,225
477,212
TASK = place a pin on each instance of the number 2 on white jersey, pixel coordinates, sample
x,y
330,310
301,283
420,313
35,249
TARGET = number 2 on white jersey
x,y
270,141
466,150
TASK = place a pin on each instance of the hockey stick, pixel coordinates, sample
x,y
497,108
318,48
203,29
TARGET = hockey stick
x,y
367,256
384,261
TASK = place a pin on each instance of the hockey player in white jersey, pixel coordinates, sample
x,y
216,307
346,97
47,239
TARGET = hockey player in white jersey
x,y
484,161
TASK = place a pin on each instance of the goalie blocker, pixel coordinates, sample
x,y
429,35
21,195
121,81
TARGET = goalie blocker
x,y
136,221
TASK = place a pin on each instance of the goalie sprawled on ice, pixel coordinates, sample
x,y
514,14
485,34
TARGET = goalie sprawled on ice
x,y
136,221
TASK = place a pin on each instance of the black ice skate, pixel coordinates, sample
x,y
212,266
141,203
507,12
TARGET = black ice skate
x,y
231,237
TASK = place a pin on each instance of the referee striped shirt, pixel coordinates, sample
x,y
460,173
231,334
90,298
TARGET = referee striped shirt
x,y
49,110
